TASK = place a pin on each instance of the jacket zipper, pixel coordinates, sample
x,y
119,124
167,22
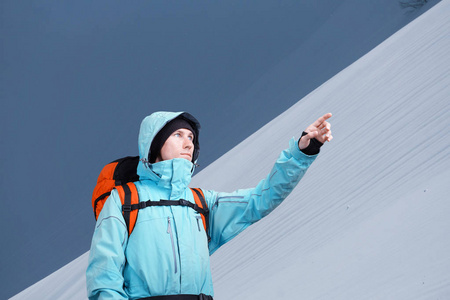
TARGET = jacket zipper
x,y
198,222
169,231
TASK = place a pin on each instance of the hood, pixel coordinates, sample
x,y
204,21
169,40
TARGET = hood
x,y
152,124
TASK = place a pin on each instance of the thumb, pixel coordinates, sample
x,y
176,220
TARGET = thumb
x,y
305,139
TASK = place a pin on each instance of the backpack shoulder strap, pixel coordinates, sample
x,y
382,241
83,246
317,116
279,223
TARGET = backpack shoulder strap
x,y
128,196
199,198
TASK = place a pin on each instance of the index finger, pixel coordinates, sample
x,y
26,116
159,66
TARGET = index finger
x,y
322,119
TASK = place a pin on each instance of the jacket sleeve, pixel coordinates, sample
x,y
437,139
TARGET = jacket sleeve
x,y
104,275
231,213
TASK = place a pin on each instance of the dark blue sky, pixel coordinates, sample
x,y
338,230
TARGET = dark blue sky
x,y
77,77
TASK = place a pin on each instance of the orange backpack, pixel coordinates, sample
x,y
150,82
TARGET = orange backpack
x,y
120,175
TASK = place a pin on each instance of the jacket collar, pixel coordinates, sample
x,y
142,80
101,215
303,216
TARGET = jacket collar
x,y
174,175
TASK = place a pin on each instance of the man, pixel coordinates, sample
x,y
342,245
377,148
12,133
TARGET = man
x,y
167,254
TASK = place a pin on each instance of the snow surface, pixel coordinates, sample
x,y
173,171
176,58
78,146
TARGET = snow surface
x,y
370,218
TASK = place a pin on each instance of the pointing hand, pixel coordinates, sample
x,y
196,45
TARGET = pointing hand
x,y
320,130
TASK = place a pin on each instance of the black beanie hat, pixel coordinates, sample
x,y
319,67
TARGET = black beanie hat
x,y
164,133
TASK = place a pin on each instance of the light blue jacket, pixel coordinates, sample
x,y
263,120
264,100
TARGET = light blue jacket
x,y
168,253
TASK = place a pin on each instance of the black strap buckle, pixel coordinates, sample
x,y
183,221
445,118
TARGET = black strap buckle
x,y
126,207
184,202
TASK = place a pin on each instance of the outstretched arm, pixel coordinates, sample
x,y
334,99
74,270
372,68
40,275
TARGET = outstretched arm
x,y
231,213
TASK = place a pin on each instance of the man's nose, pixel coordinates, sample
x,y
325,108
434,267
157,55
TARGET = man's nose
x,y
188,143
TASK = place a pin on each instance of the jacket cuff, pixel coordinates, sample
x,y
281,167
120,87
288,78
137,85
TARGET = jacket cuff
x,y
313,147
297,153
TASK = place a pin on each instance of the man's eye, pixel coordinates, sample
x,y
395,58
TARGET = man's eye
x,y
190,138
177,134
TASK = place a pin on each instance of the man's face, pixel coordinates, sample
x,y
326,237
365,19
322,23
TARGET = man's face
x,y
178,145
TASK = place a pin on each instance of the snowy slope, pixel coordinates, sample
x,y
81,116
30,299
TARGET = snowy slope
x,y
370,219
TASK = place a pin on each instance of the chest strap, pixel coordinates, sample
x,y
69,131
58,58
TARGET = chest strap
x,y
181,202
